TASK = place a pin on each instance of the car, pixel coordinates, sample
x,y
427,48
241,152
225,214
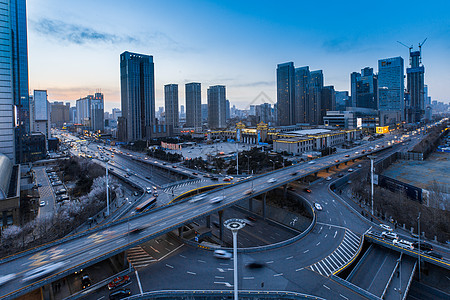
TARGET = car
x,y
389,235
164,163
216,199
350,170
118,281
248,222
249,191
404,244
174,167
346,155
386,227
336,161
207,176
359,166
356,152
434,254
154,188
7,278
340,175
194,173
119,294
222,254
197,198
255,265
307,190
85,281
42,203
294,173
375,234
39,185
423,246
155,194
111,169
328,178
227,179
311,162
42,271
128,176
214,178
272,180
318,206
136,193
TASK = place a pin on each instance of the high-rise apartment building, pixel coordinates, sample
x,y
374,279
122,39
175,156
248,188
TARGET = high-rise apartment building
x,y
328,101
137,84
227,109
116,113
286,94
204,112
415,87
391,84
314,112
364,89
41,118
302,81
342,100
264,113
59,113
217,106
193,92
90,112
171,105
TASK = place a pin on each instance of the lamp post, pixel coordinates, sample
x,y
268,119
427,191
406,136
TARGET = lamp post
x,y
418,250
234,225
371,157
248,164
400,276
237,159
107,189
273,164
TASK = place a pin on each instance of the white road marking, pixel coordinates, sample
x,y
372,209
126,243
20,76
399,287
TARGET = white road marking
x,y
290,257
335,234
154,249
225,283
167,265
93,251
221,270
192,273
343,296
219,277
248,277
280,274
318,244
202,261
326,235
345,223
305,251
321,227
269,262
298,269
326,287
101,297
182,256
139,282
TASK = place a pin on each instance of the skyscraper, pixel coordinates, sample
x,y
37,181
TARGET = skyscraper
x,y
7,122
171,105
315,98
328,101
217,106
227,109
41,119
364,89
90,112
391,84
137,84
302,80
193,93
342,100
415,86
285,94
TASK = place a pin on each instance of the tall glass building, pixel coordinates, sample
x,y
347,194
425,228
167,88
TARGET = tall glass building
x,y
286,94
217,107
171,105
302,80
193,105
391,84
137,86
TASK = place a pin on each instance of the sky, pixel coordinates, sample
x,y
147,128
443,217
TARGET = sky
x,y
74,46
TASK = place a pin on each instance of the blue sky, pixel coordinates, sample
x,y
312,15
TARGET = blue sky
x,y
74,46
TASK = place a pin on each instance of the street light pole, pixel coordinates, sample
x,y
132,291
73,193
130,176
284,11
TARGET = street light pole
x,y
418,250
237,158
107,189
234,225
371,157
273,169
400,276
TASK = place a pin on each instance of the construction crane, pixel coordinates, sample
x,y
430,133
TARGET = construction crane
x,y
409,47
420,49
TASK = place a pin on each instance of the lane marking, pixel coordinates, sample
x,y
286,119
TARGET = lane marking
x,y
219,277
139,282
343,296
299,269
269,262
305,251
326,287
201,261
248,277
318,244
192,273
280,274
290,257
335,234
167,265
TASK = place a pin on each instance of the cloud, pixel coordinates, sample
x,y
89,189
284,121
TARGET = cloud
x,y
77,34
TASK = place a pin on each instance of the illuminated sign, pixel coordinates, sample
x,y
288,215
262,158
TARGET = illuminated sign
x,y
359,122
382,129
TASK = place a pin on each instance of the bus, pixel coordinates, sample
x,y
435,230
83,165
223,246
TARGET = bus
x,y
146,204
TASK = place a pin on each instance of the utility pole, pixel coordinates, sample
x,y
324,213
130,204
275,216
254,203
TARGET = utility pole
x,y
371,157
107,189
237,158
234,225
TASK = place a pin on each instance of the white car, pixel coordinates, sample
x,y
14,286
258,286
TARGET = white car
x,y
311,162
328,178
216,199
386,227
403,244
350,170
42,203
42,271
272,180
318,206
6,278
389,235
223,254
197,198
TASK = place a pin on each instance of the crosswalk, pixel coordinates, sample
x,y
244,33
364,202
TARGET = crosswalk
x,y
139,258
340,257
175,187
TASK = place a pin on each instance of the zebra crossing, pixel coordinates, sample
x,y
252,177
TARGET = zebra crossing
x,y
340,257
174,187
139,258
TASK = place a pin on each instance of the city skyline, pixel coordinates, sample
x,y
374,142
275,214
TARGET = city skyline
x,y
186,50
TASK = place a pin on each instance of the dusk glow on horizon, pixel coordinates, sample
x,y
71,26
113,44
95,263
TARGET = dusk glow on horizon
x,y
74,47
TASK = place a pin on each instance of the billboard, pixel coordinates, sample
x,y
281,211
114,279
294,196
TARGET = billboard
x,y
382,129
358,122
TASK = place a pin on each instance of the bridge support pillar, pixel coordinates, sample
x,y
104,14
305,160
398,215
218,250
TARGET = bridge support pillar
x,y
284,191
180,231
315,174
264,206
328,169
250,204
346,162
221,225
208,221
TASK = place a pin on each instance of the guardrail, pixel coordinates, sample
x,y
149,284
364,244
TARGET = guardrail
x,y
390,277
408,285
350,276
221,294
354,288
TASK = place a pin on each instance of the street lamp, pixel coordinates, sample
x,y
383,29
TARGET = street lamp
x,y
237,159
418,250
371,157
400,276
248,164
273,164
234,225
107,188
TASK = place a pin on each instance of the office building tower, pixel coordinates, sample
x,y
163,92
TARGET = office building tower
x,y
217,106
227,109
391,84
137,84
41,118
90,112
342,100
116,113
315,98
415,87
7,101
59,113
193,92
204,112
73,114
285,94
171,105
364,89
302,80
263,113
328,101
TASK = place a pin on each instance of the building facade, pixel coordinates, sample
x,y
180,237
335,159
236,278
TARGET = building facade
x,y
137,85
285,94
314,112
90,112
193,92
302,81
59,113
41,119
364,89
391,84
217,107
171,105
415,87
